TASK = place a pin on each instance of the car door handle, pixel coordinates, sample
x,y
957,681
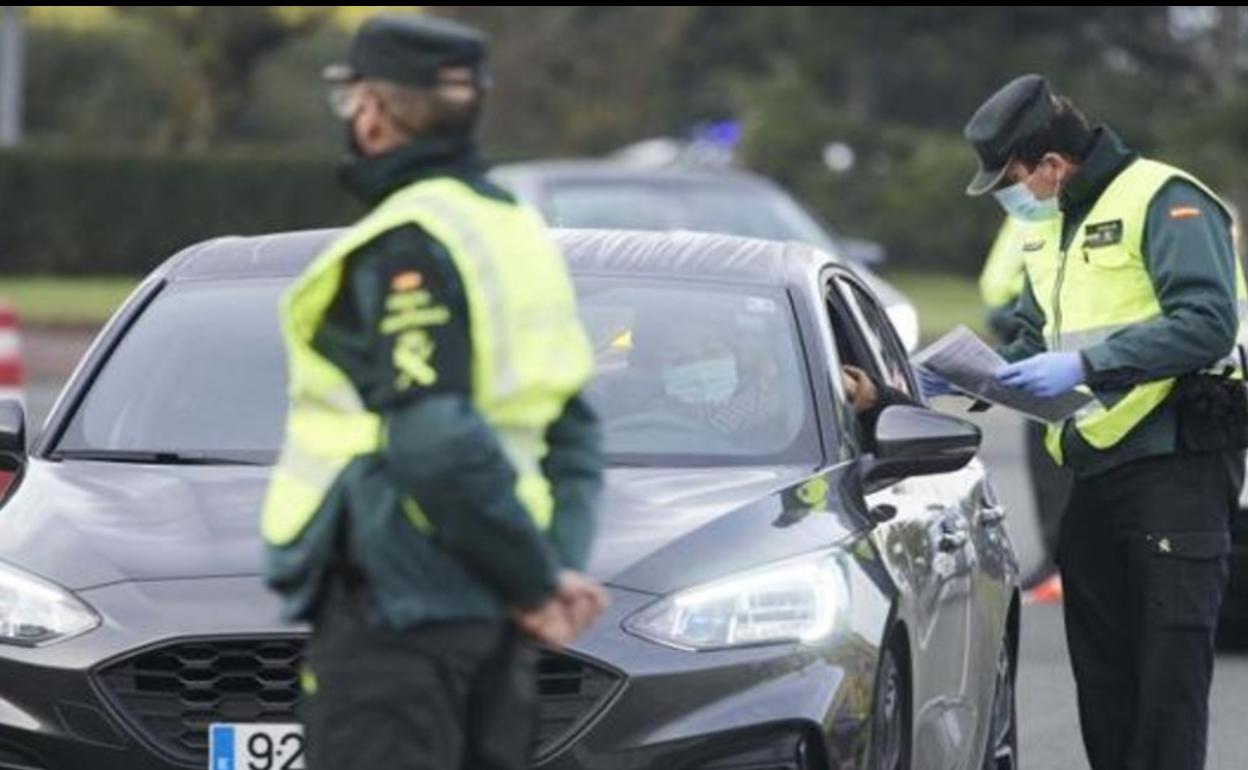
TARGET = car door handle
x,y
951,541
991,515
952,535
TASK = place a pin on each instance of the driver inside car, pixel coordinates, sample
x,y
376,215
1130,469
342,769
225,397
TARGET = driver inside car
x,y
724,379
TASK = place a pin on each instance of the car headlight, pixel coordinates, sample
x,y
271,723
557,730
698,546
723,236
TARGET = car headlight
x,y
796,600
34,612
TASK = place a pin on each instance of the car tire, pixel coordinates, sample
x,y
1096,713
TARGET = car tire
x,y
1002,750
890,715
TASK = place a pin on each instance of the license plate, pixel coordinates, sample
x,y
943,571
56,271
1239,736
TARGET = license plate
x,y
255,747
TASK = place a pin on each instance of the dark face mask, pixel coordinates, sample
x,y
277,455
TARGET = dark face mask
x,y
457,124
451,125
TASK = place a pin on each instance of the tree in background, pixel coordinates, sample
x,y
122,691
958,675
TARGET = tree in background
x,y
177,78
890,85
577,79
223,48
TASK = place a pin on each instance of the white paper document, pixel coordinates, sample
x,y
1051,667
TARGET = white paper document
x,y
971,366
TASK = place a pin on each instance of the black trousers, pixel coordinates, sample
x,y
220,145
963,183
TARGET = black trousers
x,y
448,696
1143,555
1050,489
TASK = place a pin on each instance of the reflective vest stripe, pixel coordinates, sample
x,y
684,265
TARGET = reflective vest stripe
x,y
475,247
1086,338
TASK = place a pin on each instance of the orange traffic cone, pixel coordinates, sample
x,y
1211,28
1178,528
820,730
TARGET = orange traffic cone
x,y
12,374
1048,592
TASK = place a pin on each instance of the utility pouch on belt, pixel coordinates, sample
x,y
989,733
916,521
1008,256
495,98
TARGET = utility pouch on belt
x,y
1212,413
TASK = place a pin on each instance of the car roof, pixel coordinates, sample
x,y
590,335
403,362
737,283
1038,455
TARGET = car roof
x,y
668,253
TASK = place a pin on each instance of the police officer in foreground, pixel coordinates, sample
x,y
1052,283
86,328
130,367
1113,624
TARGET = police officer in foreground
x,y
434,497
1134,292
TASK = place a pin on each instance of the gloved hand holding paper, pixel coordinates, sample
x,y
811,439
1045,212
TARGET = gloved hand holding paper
x,y
969,365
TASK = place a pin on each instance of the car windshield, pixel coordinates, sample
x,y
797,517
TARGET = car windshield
x,y
755,212
202,372
686,375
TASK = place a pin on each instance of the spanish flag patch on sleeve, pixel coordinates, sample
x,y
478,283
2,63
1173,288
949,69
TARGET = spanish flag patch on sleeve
x,y
1184,212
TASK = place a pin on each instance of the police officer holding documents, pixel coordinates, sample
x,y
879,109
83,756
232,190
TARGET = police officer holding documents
x,y
1133,293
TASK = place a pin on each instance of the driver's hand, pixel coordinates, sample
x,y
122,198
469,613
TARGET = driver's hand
x,y
859,388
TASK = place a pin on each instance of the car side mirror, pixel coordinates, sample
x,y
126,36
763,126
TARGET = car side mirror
x,y
913,441
12,435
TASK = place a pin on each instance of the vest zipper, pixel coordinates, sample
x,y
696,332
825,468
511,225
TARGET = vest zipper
x,y
1057,302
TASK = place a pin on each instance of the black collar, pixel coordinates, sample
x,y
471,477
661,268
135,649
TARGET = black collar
x,y
1105,158
373,178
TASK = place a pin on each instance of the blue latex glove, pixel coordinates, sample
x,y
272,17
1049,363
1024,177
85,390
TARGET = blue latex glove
x,y
932,383
1045,375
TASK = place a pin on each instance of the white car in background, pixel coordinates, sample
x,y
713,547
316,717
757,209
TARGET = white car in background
x,y
612,195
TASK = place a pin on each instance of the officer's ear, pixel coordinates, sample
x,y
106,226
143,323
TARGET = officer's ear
x,y
366,120
1057,168
377,129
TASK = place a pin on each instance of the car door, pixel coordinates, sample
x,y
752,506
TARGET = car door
x,y
929,544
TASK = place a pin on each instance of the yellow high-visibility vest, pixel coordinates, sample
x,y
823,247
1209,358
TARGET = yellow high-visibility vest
x,y
529,351
1100,284
1001,280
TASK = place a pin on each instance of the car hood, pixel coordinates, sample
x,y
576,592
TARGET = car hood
x,y
87,524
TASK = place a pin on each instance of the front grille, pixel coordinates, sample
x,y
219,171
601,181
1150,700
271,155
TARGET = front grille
x,y
171,694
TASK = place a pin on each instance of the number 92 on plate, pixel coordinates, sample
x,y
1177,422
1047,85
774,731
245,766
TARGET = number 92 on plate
x,y
233,746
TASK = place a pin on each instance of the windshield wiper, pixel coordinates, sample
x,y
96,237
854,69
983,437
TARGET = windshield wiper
x,y
151,458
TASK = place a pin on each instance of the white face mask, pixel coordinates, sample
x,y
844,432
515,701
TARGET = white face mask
x,y
1022,204
701,382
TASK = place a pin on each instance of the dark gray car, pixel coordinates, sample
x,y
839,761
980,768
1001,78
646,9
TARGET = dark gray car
x,y
788,591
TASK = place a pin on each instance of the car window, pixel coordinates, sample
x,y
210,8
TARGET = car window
x,y
851,350
617,206
750,212
887,352
745,210
698,374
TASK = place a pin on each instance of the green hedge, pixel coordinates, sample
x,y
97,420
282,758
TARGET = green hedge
x,y
123,214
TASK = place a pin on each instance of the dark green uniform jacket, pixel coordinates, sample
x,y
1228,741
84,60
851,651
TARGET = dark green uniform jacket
x,y
1191,262
485,554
